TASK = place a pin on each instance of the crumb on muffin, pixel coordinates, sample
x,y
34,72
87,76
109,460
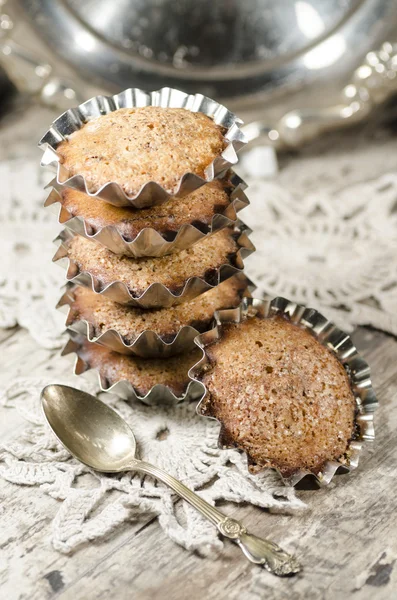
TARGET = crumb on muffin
x,y
201,260
104,314
133,146
141,373
197,208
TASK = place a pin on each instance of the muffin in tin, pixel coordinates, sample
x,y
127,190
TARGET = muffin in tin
x,y
280,395
135,146
166,331
197,209
155,282
155,231
141,375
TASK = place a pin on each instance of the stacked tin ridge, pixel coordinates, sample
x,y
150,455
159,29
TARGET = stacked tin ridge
x,y
153,244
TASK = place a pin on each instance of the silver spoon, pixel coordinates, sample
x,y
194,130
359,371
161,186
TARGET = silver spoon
x,y
101,439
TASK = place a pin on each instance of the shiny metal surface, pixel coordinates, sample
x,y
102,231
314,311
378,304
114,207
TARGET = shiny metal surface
x,y
186,34
216,43
243,51
372,83
100,438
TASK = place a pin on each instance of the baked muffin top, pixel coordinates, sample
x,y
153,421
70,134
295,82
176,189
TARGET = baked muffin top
x,y
173,270
280,395
142,373
104,314
133,146
198,208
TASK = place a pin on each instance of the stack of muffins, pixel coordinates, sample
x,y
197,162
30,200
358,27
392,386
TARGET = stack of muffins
x,y
153,245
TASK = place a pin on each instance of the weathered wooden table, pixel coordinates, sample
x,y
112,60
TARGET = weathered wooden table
x,y
347,541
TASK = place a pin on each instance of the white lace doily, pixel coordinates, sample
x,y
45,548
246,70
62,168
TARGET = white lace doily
x,y
29,281
94,505
329,243
333,249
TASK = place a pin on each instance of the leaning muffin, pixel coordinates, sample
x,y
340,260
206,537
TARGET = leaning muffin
x,y
136,275
141,374
98,315
197,209
135,146
279,394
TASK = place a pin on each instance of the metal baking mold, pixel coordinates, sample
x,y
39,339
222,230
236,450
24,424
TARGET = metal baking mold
x,y
147,344
150,242
156,295
158,394
330,336
150,193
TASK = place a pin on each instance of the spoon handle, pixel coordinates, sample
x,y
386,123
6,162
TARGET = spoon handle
x,y
257,550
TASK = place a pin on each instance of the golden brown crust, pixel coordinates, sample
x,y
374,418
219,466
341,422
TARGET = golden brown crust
x,y
142,373
104,314
133,146
280,395
197,209
201,260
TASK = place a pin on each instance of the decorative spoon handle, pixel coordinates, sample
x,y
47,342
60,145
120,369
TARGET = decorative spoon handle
x,y
257,550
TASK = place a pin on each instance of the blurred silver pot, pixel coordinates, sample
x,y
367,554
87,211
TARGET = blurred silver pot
x,y
248,54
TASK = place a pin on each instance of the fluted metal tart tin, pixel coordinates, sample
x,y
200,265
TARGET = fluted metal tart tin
x,y
150,193
330,336
156,295
158,394
150,242
147,344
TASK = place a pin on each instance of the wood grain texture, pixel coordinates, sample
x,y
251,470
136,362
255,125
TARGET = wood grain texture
x,y
347,542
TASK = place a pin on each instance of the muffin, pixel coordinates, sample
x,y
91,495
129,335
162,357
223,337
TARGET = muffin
x,y
102,314
135,146
141,374
279,394
203,260
197,209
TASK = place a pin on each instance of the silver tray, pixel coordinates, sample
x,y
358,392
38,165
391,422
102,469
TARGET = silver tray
x,y
148,344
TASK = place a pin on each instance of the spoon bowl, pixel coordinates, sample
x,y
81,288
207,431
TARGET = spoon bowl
x,y
89,429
